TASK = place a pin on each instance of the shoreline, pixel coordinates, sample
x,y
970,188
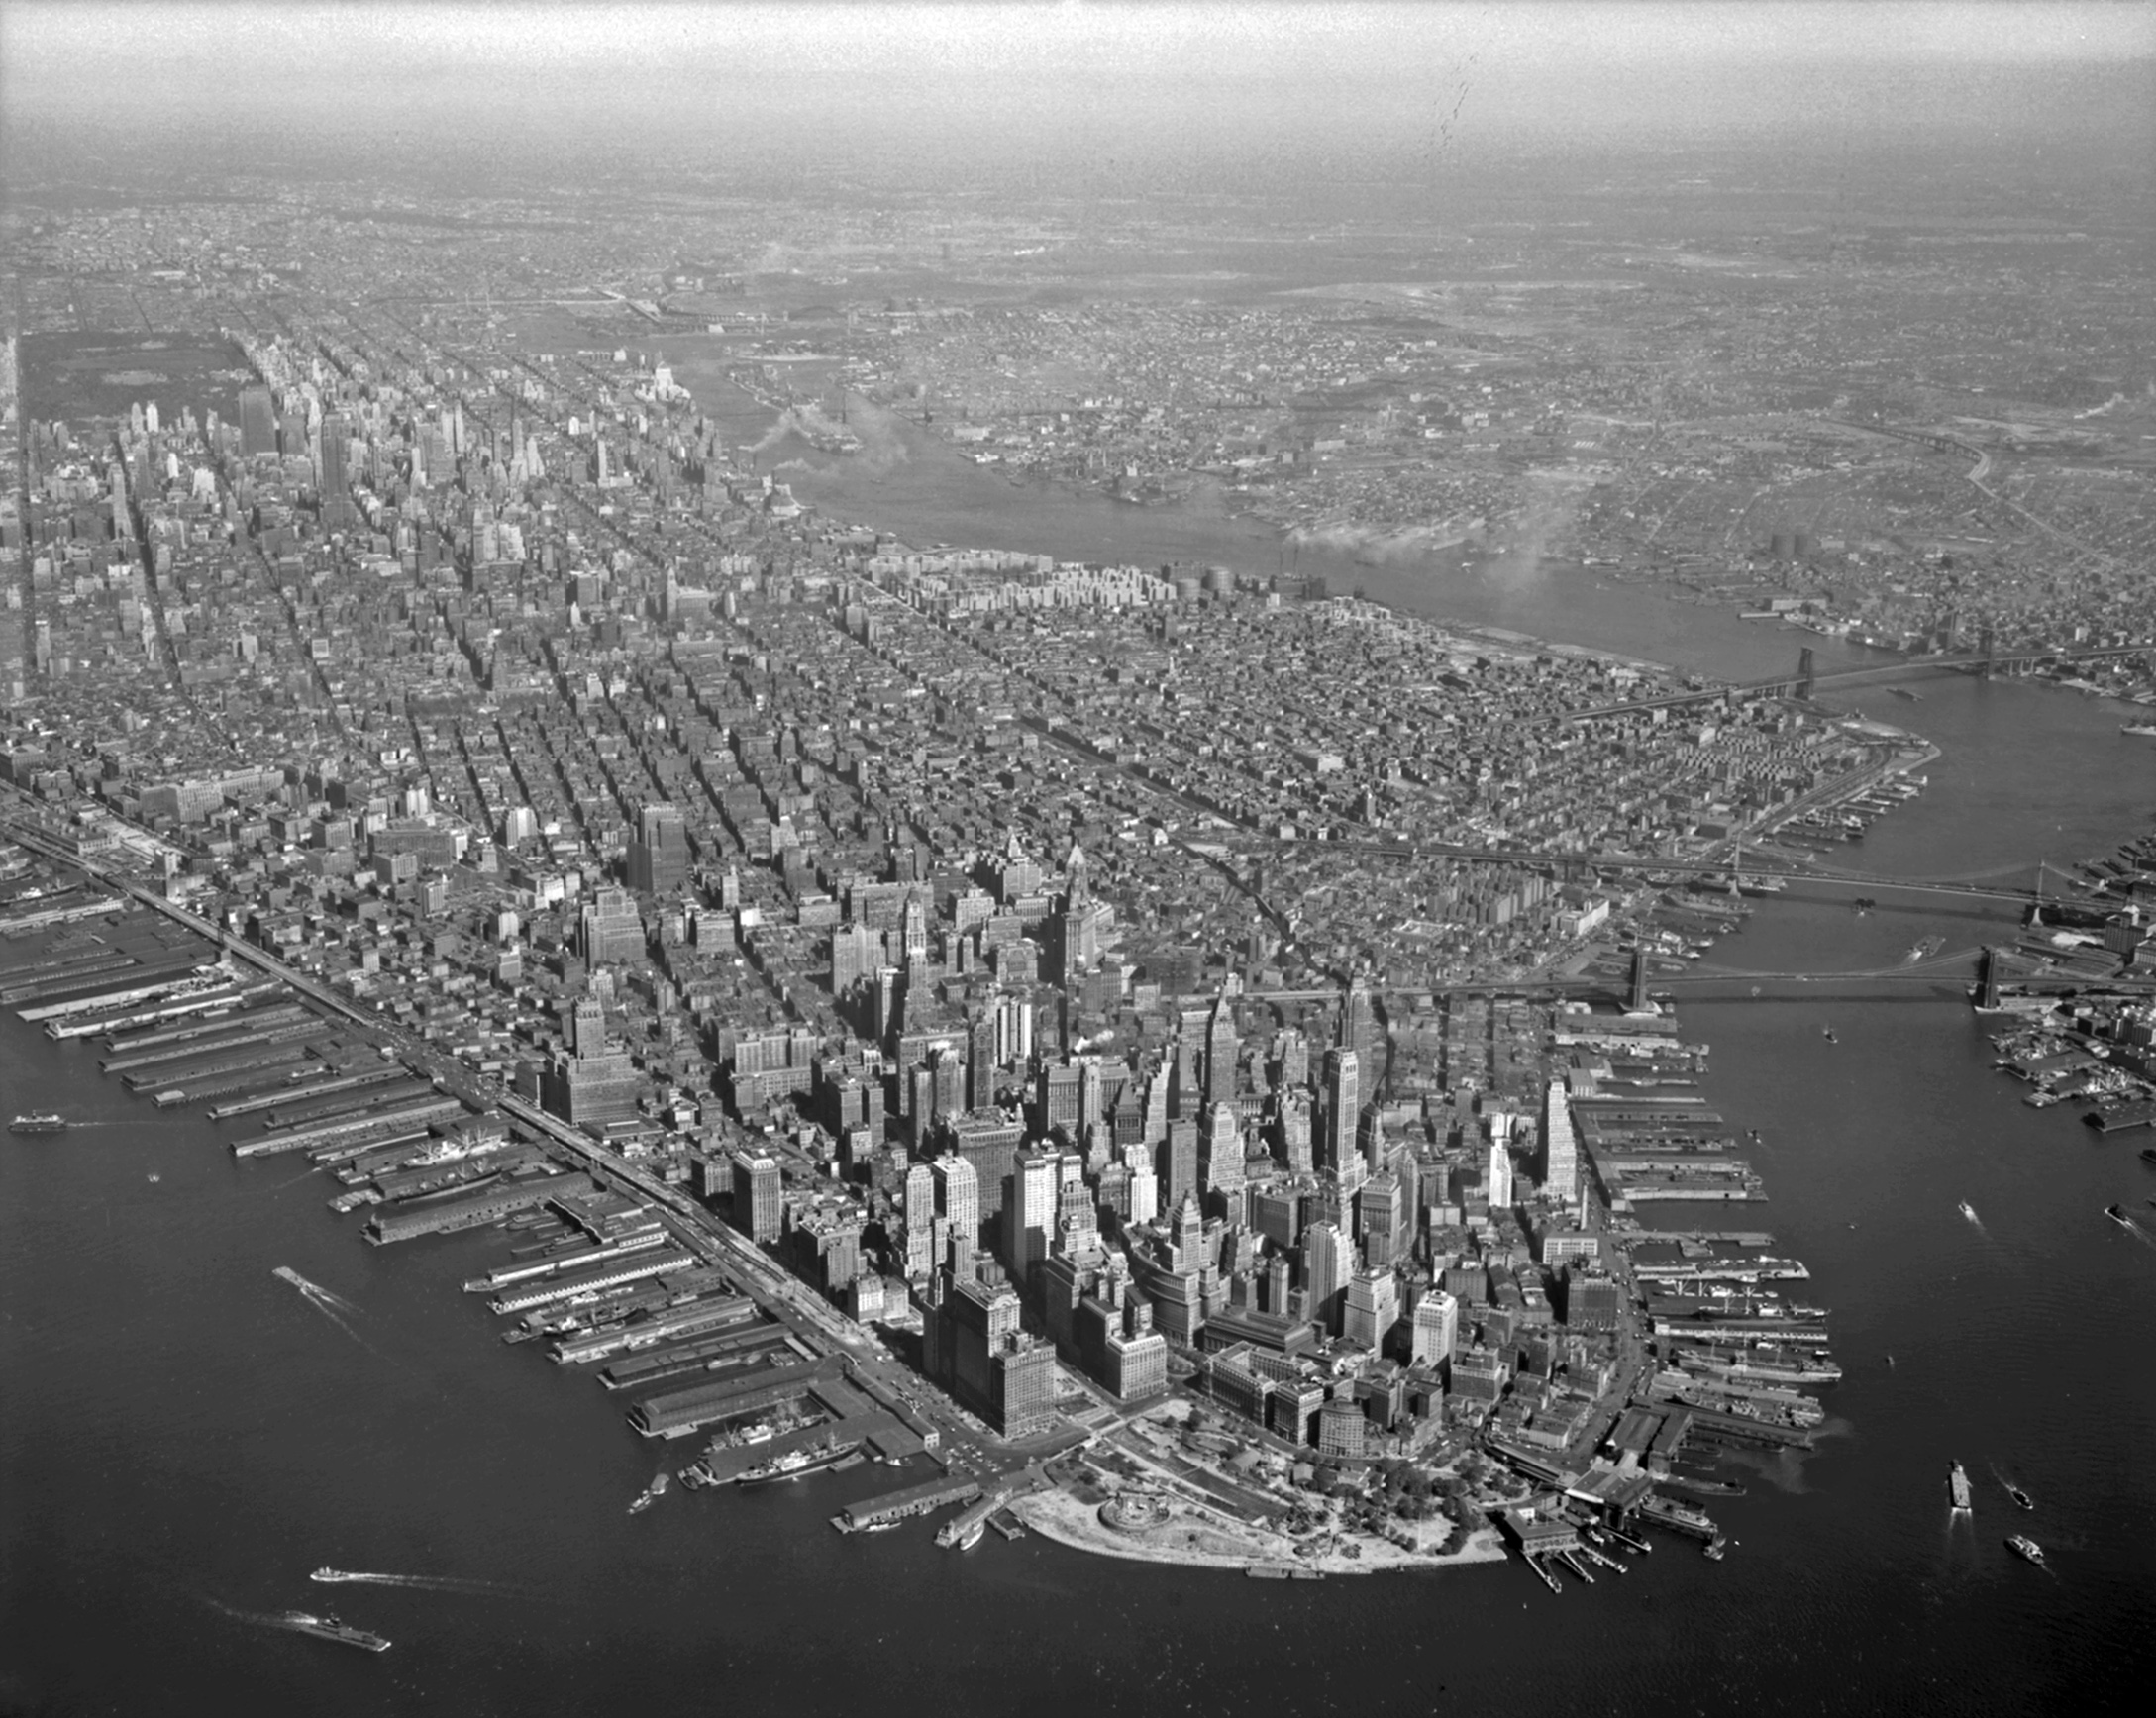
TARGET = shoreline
x,y
1056,1515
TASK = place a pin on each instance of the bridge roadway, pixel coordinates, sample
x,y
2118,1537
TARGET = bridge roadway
x,y
1877,673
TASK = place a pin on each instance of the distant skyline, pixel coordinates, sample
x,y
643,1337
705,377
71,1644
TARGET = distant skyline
x,y
976,87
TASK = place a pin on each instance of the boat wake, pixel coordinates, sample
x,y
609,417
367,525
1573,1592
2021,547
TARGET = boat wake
x,y
423,1583
314,1291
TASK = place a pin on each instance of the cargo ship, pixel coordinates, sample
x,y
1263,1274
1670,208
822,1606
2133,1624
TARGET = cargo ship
x,y
330,1629
794,1465
2026,1548
44,1122
1957,1485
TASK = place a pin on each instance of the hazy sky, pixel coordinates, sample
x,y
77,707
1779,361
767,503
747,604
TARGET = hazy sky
x,y
1190,79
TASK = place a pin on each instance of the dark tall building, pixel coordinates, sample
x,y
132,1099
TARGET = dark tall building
x,y
335,478
1222,1048
659,856
1178,1164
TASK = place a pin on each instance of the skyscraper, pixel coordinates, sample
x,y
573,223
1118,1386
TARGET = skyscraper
x,y
1221,1047
957,1195
1497,1175
757,1196
1029,1219
1373,1308
1326,1263
1560,1146
1342,1105
659,856
1178,1164
1437,1327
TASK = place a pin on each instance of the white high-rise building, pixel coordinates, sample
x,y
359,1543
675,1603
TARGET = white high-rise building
x,y
1373,1308
1560,1146
1437,1327
1497,1172
1030,1217
1145,1194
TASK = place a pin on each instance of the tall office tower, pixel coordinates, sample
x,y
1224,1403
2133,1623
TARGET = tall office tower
x,y
890,1002
957,1195
1145,1194
1497,1175
757,1196
1089,1096
947,1069
612,929
1178,1164
1560,1146
587,1027
1295,1132
1437,1327
1014,1031
1190,1226
1029,1218
981,1058
920,1197
1373,1308
257,421
1342,1105
1155,1128
1327,1260
1077,1220
914,927
1224,1173
1294,1060
659,856
1379,1222
1221,1047
855,953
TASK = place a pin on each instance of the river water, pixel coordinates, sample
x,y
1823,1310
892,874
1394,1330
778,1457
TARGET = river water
x,y
183,1436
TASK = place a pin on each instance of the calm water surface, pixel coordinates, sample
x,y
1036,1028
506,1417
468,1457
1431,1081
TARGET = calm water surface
x,y
182,1437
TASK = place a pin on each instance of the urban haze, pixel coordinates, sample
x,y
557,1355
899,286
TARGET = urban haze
x,y
1078,858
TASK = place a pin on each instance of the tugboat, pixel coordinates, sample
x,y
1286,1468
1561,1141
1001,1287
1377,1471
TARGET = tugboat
x,y
2117,1214
652,1493
330,1629
1828,1033
1967,1211
1957,1485
2021,1497
43,1122
2026,1548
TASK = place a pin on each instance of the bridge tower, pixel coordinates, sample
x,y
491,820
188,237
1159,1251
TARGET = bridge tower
x,y
1808,678
1989,644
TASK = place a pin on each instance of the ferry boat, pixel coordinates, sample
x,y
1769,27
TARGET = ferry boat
x,y
1957,1484
2025,1547
43,1122
330,1629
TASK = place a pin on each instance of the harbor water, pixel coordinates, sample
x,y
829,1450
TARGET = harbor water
x,y
183,1435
